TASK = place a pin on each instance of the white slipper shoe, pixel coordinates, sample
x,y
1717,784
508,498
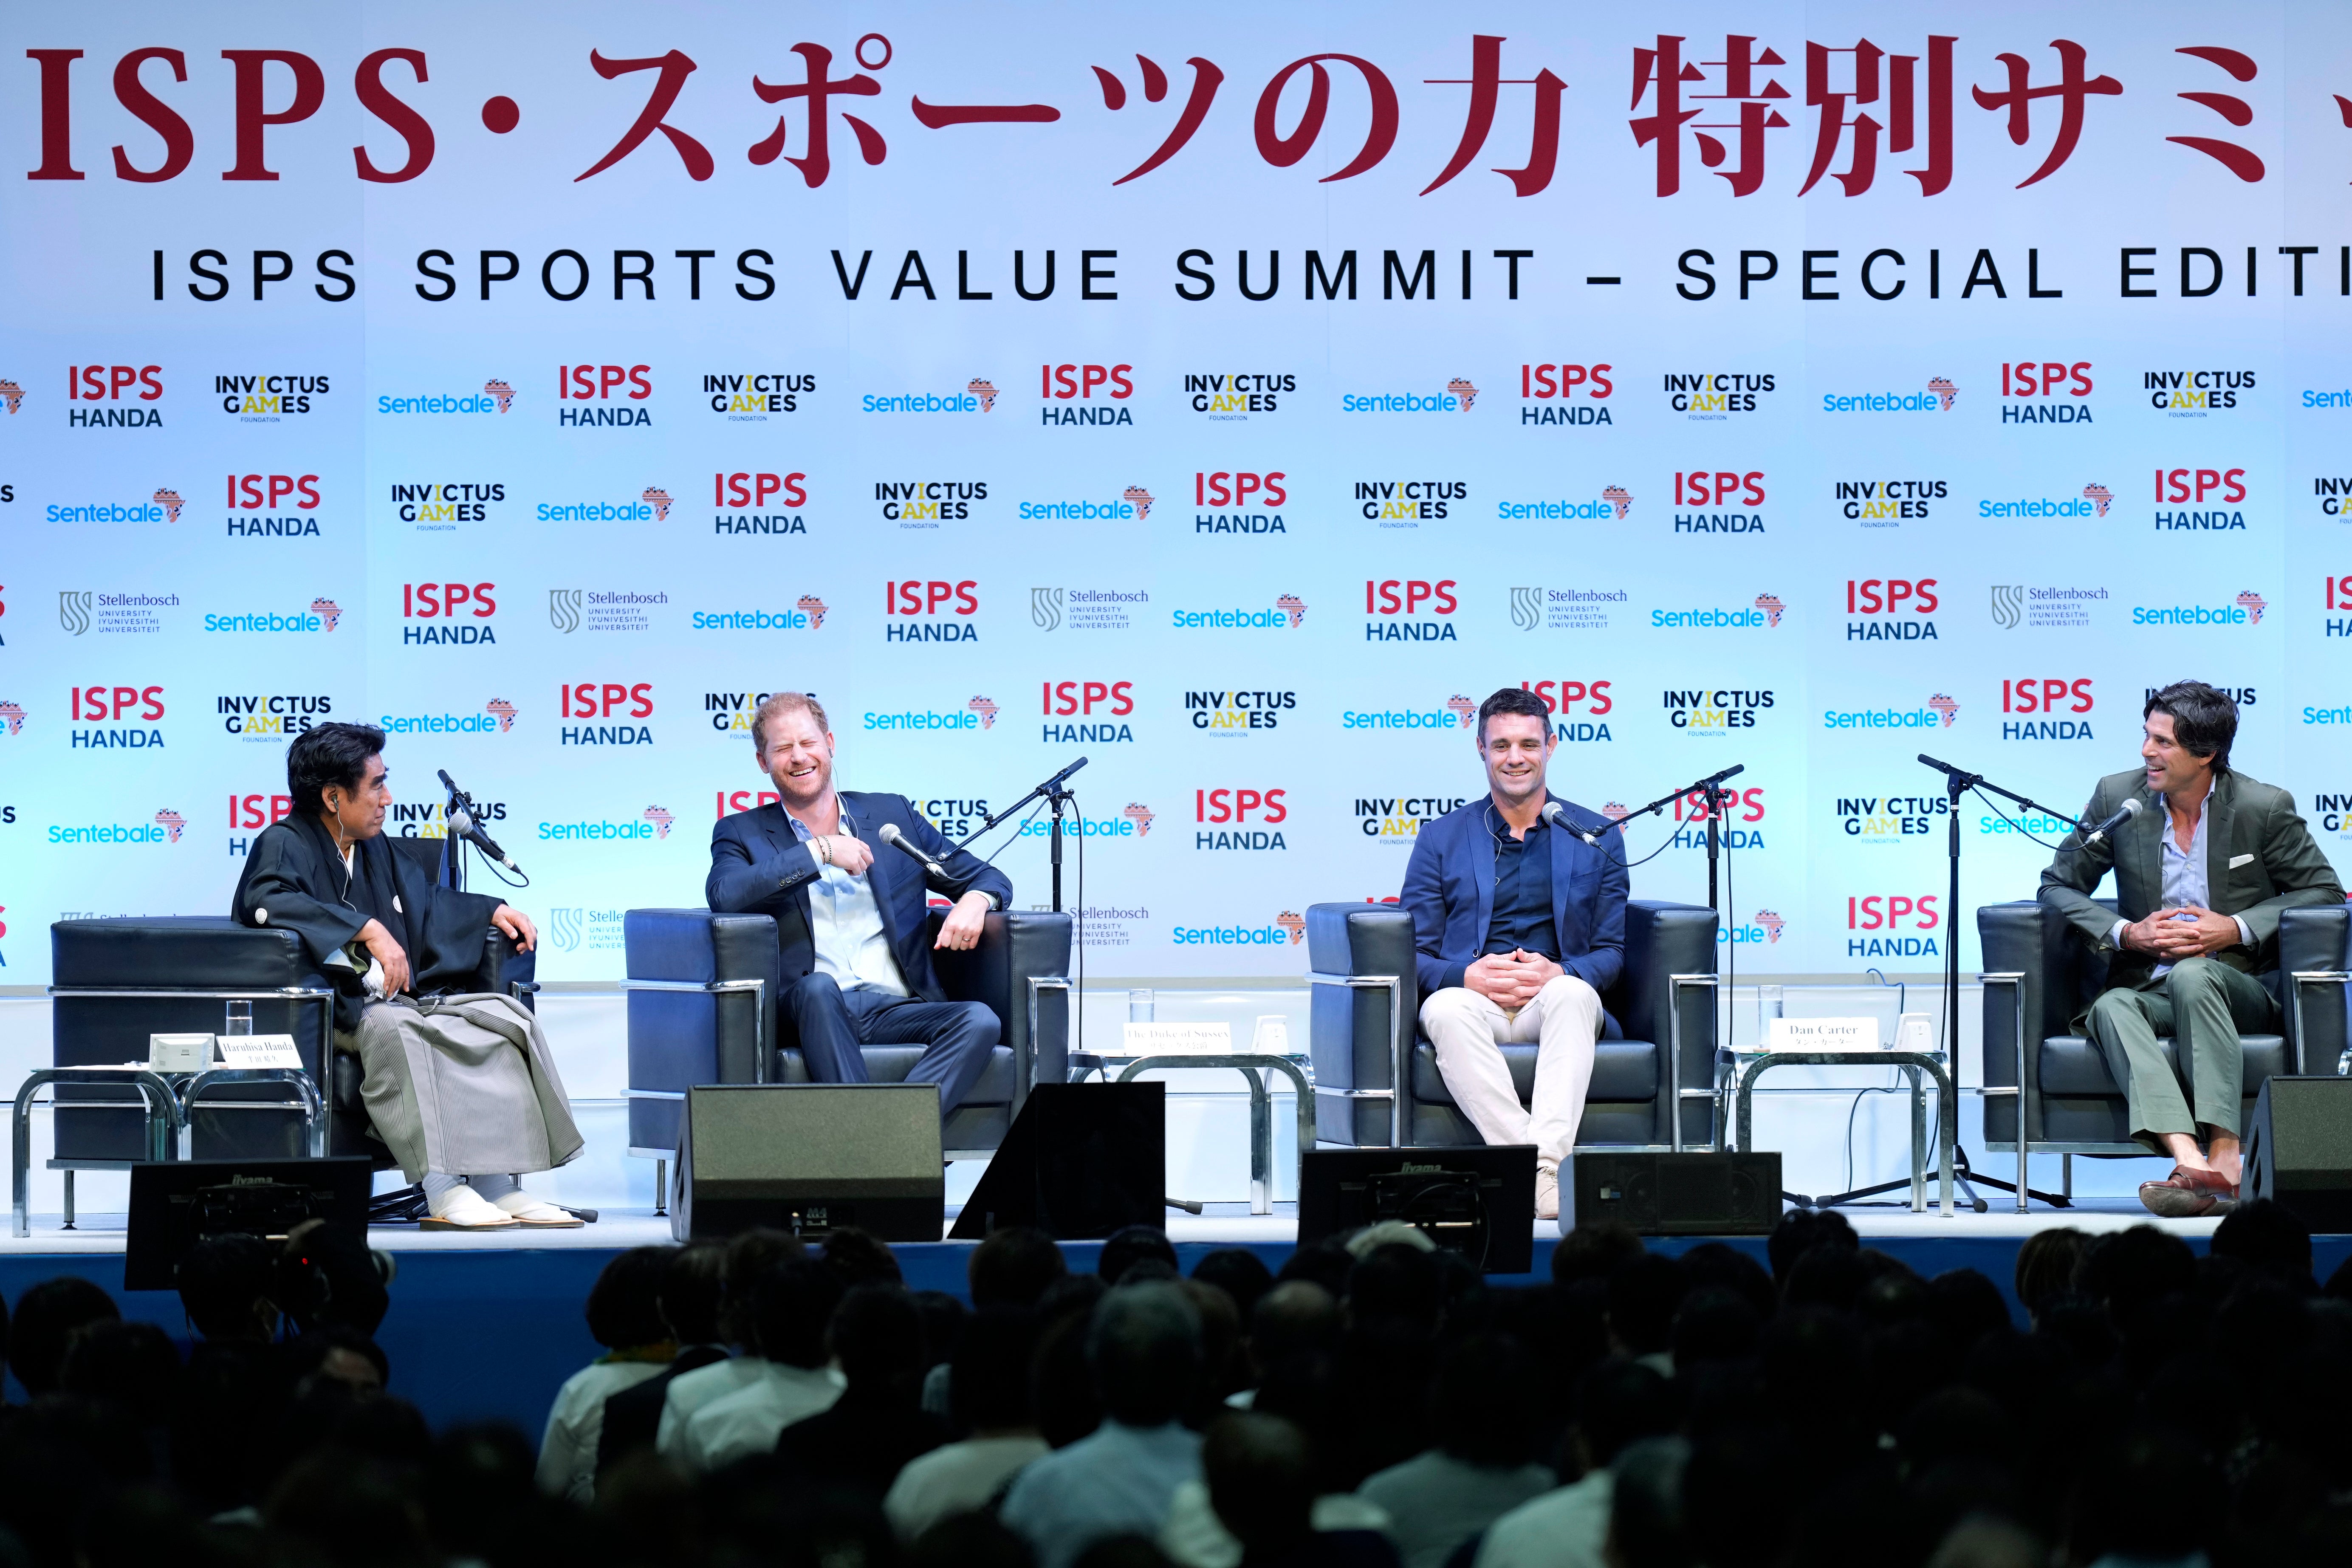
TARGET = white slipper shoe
x,y
463,1208
1546,1192
536,1211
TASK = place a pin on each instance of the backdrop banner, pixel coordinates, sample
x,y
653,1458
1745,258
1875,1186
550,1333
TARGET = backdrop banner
x,y
1231,396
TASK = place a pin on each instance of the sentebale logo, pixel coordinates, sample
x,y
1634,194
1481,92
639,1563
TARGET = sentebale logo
x,y
2253,603
328,611
1945,705
660,500
170,500
1292,605
1140,499
12,715
1141,815
986,710
172,822
979,386
1292,922
502,393
1619,497
813,608
1945,392
501,710
661,820
12,395
2100,498
1772,607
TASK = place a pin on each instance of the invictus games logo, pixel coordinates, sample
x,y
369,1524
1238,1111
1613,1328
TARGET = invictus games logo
x,y
1292,605
1945,707
170,501
660,500
661,820
2100,498
2008,605
1045,608
12,395
499,392
12,716
172,822
1772,607
986,710
1945,394
1619,498
1293,924
501,710
1141,815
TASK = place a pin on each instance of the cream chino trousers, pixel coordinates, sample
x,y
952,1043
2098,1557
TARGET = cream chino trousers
x,y
1468,1030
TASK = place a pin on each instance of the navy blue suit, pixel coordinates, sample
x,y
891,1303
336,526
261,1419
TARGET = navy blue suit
x,y
1449,891
758,866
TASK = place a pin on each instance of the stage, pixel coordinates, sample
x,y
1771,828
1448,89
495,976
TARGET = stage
x,y
488,1327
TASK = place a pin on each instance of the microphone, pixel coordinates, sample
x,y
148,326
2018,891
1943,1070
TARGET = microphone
x,y
1967,778
1557,815
2129,809
892,836
1718,778
462,823
1055,782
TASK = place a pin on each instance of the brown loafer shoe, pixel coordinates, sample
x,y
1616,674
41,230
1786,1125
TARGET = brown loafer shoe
x,y
2186,1194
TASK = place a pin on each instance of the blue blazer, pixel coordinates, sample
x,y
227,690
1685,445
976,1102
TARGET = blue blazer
x,y
1449,891
758,867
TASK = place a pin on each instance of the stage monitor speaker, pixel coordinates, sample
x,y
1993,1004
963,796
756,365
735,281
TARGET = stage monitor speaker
x,y
1477,1199
1677,1194
175,1204
2299,1149
809,1157
1079,1162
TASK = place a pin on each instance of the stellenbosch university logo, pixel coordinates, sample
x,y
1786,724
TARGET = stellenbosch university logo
x,y
163,506
1566,609
497,718
574,929
1719,489
2194,393
1407,503
321,616
751,396
1716,394
2052,608
2245,610
1936,714
1456,714
266,399
2047,392
1398,819
1571,394
1889,503
438,507
1762,615
165,828
741,503
645,827
1085,609
603,609
1457,399
1236,397
1238,712
2226,486
496,397
80,610
979,713
1938,396
1289,611
271,716
1235,490
926,503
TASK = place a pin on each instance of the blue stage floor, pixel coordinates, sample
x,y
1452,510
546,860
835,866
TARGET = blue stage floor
x,y
488,1328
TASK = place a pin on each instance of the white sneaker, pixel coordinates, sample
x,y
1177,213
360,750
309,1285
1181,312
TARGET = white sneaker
x,y
538,1212
463,1208
1546,1192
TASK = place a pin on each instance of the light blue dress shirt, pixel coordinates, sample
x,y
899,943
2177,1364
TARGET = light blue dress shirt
x,y
2185,881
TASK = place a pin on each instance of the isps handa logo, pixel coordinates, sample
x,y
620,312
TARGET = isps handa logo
x,y
2197,487
1893,925
1062,385
1416,610
1719,489
1565,395
1397,819
1239,819
608,700
617,392
748,503
2047,392
934,611
272,506
1211,490
165,828
127,394
647,826
1561,700
1078,713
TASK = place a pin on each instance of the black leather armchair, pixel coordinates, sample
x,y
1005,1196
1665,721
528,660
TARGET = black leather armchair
x,y
2040,974
114,981
703,993
1365,1038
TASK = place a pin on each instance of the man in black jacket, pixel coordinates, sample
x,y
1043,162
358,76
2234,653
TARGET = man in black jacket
x,y
851,914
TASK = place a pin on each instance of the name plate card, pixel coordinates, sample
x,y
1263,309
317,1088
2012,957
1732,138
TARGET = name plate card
x,y
1820,1034
179,1053
259,1051
1177,1039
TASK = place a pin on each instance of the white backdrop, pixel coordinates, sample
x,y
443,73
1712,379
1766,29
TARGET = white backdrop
x,y
1729,470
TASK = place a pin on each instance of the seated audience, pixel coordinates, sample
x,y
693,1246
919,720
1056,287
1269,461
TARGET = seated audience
x,y
622,1318
750,1255
1260,1479
1483,1417
791,1306
1618,1404
991,1393
687,1301
859,1444
43,1327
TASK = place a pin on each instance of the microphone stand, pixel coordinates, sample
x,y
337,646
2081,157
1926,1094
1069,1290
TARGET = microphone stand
x,y
1059,799
1957,782
1716,797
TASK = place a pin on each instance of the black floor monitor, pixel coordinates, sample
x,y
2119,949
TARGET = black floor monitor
x,y
1078,1162
1477,1200
174,1203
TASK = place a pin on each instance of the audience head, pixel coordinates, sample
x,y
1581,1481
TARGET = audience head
x,y
1482,1404
1221,1336
48,1318
1595,1249
131,1367
2266,1236
1646,1526
988,1390
1642,1298
1013,1267
1296,1318
622,1308
1799,1232
693,1281
343,1357
1261,1476
1619,1404
750,1255
876,1336
791,1305
1325,1263
859,1258
2046,1265
1133,1244
2129,1272
1240,1273
1396,1288
225,1284
1144,1350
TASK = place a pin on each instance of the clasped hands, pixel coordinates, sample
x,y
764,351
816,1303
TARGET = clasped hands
x,y
1510,980
2186,931
387,950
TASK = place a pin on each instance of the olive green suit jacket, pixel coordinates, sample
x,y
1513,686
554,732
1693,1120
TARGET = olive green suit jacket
x,y
2260,859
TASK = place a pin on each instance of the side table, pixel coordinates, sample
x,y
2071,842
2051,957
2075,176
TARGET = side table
x,y
1912,1063
1252,1066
